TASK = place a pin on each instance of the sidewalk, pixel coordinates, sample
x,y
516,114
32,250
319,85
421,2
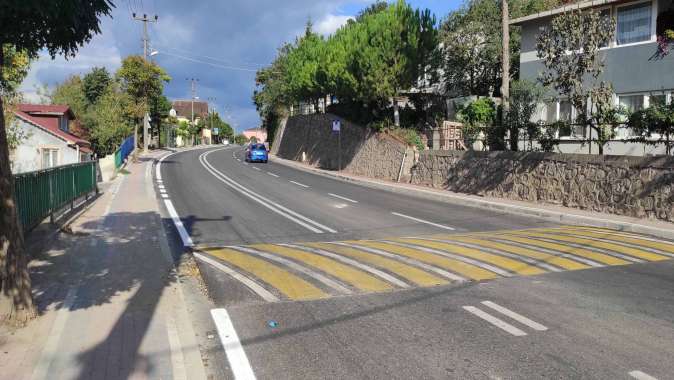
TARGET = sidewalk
x,y
554,213
110,303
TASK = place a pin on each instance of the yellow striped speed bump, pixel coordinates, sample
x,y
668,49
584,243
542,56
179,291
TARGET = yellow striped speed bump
x,y
309,271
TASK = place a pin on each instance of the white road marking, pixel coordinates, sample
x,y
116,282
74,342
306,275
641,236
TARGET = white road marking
x,y
238,160
641,375
51,347
256,168
518,317
383,275
424,221
300,268
177,358
187,240
404,259
606,252
528,260
299,184
477,263
163,191
272,174
161,186
165,196
160,181
302,220
342,198
620,243
551,252
495,321
252,285
238,361
341,205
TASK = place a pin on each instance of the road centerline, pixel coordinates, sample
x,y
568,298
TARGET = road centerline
x,y
495,321
342,198
300,184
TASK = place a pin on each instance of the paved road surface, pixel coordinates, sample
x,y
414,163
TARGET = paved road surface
x,y
322,278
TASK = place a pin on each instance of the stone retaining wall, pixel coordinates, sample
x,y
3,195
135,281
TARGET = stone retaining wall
x,y
624,185
364,151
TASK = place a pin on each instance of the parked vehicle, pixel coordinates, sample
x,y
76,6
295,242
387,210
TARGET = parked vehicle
x,y
257,152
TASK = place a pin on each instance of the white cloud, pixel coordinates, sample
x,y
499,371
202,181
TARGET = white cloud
x,y
330,23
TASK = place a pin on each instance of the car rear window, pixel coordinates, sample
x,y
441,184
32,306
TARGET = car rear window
x,y
259,146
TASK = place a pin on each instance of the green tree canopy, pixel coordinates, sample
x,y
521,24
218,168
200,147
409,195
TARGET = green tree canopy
x,y
143,81
95,84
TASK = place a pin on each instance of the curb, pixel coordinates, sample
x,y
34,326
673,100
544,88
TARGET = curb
x,y
548,215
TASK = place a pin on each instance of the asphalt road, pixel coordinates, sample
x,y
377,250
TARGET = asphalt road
x,y
322,278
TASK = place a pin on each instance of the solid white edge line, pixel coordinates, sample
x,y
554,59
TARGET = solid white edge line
x,y
252,285
256,168
495,321
641,375
187,240
342,198
383,275
238,361
424,221
272,174
300,184
258,198
518,317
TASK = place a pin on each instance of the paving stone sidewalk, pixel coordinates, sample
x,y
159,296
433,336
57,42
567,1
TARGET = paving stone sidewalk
x,y
111,306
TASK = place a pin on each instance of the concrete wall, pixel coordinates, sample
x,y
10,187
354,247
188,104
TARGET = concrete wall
x,y
632,186
309,138
28,156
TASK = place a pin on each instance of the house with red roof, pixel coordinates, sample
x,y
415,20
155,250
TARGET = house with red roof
x,y
48,140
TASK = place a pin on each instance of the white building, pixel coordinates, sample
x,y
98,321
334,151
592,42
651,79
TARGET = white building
x,y
48,141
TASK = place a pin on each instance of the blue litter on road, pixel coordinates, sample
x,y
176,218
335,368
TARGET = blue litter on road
x,y
272,324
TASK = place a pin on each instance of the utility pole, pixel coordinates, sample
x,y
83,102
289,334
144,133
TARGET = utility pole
x,y
505,68
146,41
211,114
193,83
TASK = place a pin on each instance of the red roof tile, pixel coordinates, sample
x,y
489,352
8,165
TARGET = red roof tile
x,y
51,128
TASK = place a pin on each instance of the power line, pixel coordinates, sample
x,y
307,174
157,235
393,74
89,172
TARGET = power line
x,y
216,59
210,63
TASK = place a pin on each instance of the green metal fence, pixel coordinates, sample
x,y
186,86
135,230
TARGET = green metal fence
x,y
42,193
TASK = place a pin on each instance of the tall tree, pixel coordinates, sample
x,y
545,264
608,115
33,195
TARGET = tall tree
x,y
576,76
144,82
55,26
95,84
14,70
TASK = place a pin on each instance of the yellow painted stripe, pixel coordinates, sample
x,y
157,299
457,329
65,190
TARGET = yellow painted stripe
x,y
512,265
645,255
661,245
355,277
594,256
458,267
545,257
285,282
405,271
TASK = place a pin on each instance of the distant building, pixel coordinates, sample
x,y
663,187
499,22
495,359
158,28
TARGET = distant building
x,y
49,141
183,109
259,133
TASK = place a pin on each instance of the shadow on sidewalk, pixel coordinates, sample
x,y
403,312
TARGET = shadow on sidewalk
x,y
125,267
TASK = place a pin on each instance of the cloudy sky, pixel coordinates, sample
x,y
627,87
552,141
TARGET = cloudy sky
x,y
219,42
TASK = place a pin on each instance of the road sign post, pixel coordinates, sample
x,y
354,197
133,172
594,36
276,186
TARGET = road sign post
x,y
337,128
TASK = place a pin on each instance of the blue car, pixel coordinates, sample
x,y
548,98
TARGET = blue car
x,y
257,152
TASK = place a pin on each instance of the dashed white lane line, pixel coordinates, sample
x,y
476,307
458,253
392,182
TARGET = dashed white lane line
x,y
252,285
272,174
519,318
187,240
299,184
238,361
495,321
256,168
163,191
238,160
165,196
641,376
424,221
342,198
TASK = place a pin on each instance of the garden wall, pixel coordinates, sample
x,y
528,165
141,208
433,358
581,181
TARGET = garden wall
x,y
633,186
364,151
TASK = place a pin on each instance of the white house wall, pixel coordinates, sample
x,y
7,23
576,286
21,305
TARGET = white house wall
x,y
28,157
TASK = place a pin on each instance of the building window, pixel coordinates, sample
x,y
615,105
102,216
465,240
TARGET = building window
x,y
634,23
63,123
50,158
631,102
